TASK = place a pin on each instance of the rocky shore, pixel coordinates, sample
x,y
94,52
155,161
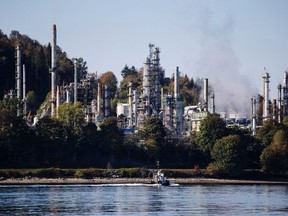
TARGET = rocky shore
x,y
33,180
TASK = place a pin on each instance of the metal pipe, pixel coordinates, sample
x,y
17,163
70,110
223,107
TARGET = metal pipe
x,y
24,91
135,101
130,105
285,94
99,98
176,84
279,103
177,115
213,103
253,106
205,95
274,109
266,96
146,86
106,102
156,67
18,73
53,70
75,80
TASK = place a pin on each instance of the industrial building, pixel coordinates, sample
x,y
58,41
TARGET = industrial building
x,y
151,101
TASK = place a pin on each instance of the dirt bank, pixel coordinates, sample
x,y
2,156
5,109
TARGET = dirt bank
x,y
131,180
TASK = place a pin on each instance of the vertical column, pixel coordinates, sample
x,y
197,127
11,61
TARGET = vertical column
x,y
18,73
205,95
135,108
130,105
24,91
279,114
146,86
75,80
266,96
253,106
53,70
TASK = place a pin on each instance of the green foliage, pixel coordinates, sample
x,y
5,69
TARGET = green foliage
x,y
229,155
71,115
32,102
153,128
274,157
128,71
111,136
153,132
266,132
212,128
82,68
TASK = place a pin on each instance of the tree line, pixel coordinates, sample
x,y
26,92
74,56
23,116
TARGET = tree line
x,y
67,141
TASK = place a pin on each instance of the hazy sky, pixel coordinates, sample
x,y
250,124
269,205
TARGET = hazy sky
x,y
227,41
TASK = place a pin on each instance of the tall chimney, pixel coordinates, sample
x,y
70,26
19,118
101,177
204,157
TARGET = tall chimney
x,y
213,103
176,84
75,80
279,114
285,94
146,86
130,105
205,99
106,102
53,71
24,91
18,73
99,98
253,106
266,96
135,101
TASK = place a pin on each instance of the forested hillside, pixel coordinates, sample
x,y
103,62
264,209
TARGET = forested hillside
x,y
37,60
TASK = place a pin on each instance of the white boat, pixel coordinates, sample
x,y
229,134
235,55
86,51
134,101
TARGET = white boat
x,y
159,178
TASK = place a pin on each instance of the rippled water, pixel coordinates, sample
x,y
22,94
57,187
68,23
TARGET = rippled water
x,y
139,199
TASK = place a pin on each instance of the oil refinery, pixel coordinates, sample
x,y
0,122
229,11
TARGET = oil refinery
x,y
151,101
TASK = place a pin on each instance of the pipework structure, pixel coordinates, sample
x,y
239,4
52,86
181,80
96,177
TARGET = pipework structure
x,y
152,102
253,107
266,82
18,73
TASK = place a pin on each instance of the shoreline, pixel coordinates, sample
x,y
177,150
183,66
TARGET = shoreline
x,y
184,181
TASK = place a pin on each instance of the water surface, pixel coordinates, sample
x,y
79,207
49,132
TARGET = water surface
x,y
139,199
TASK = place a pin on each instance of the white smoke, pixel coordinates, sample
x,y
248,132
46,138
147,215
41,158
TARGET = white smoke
x,y
219,63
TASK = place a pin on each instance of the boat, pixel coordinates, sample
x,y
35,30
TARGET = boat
x,y
160,179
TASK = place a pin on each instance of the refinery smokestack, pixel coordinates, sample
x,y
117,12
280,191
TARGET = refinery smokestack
x,y
53,70
130,105
18,73
106,102
24,91
213,103
176,84
205,99
75,80
279,103
253,106
146,85
135,101
99,98
285,93
266,96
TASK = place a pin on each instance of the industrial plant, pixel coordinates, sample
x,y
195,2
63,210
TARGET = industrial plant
x,y
151,101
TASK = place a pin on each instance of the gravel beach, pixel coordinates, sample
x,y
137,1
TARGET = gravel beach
x,y
132,180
